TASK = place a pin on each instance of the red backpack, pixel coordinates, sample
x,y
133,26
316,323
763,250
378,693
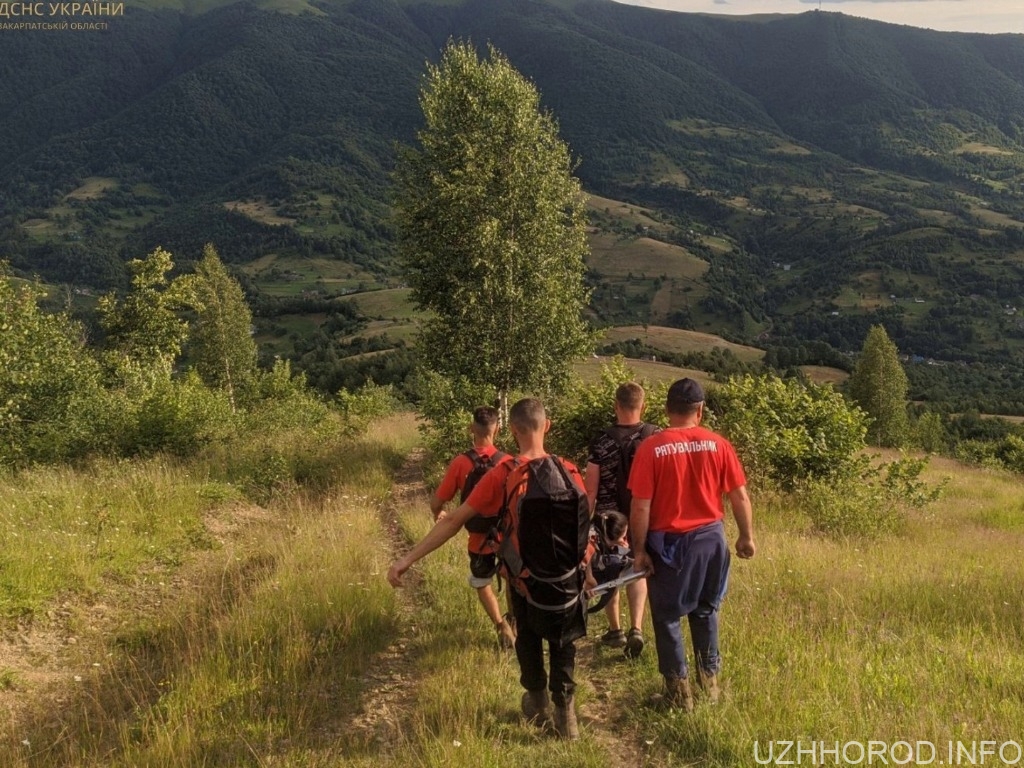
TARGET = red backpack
x,y
544,525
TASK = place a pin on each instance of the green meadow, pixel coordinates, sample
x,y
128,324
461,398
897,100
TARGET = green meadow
x,y
223,611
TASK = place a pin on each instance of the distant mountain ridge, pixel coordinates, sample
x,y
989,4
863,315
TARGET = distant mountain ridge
x,y
875,160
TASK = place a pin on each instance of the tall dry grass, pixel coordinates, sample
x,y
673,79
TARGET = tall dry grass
x,y
257,647
912,637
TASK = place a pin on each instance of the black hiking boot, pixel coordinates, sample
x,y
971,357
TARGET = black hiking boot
x,y
634,644
613,638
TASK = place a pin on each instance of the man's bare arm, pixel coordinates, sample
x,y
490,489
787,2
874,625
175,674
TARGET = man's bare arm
x,y
436,506
639,523
739,500
446,527
591,481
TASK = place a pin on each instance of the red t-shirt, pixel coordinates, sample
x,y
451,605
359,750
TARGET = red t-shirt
x,y
457,472
684,472
455,477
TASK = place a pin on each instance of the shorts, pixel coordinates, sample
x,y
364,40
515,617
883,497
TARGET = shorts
x,y
482,568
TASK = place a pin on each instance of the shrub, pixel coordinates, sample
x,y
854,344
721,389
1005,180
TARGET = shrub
x,y
980,452
1010,451
930,434
787,432
873,502
446,406
48,380
283,401
179,417
366,405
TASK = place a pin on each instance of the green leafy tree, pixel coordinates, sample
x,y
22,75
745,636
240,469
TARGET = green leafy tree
x,y
586,408
222,349
492,225
930,433
49,383
879,386
144,330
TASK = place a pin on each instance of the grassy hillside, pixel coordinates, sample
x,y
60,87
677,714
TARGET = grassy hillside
x,y
268,635
678,340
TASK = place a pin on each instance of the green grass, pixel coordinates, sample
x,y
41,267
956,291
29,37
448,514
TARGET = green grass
x,y
590,370
616,257
66,531
913,637
821,374
291,275
266,654
392,303
260,643
403,330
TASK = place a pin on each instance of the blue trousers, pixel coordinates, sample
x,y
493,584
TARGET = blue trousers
x,y
691,574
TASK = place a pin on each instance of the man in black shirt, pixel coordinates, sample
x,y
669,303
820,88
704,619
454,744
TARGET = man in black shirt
x,y
608,463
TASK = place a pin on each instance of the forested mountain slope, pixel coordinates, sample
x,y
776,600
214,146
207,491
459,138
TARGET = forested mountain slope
x,y
825,172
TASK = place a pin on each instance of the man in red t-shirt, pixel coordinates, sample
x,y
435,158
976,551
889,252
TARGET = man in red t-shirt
x,y
483,562
560,629
677,480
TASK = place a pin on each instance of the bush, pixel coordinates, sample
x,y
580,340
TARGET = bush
x,y
980,452
447,409
366,405
283,401
788,432
49,381
873,502
1011,453
179,417
930,434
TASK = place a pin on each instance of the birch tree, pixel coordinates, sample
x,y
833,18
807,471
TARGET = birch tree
x,y
492,227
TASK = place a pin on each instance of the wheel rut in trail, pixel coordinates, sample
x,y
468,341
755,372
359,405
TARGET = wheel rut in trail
x,y
390,680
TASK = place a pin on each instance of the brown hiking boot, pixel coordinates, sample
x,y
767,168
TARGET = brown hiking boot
x,y
678,693
709,685
535,706
565,720
506,634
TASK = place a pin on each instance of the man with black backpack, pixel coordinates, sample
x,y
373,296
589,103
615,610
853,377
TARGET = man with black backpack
x,y
542,517
608,464
462,475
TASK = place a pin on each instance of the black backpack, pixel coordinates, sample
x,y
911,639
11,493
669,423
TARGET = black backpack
x,y
627,450
481,466
544,525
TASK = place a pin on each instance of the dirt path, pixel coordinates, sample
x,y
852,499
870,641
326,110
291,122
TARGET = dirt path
x,y
390,681
44,662
51,662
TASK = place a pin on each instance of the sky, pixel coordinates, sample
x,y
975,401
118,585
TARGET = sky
x,y
947,15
